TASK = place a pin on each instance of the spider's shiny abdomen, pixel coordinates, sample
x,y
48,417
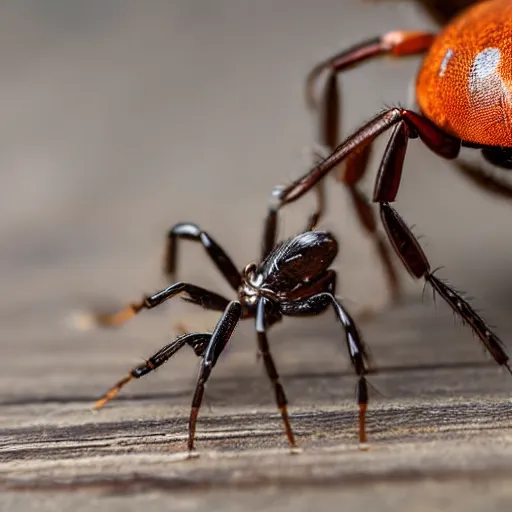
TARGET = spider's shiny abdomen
x,y
465,83
297,260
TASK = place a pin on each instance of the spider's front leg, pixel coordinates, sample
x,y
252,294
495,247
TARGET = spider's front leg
x,y
190,231
208,346
195,294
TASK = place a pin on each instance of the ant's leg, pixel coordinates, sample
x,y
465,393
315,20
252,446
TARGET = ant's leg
x,y
270,366
404,242
356,165
195,294
397,43
189,231
218,341
408,249
318,303
350,175
197,341
407,125
321,207
401,237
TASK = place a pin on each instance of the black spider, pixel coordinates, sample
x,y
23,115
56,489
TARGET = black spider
x,y
293,279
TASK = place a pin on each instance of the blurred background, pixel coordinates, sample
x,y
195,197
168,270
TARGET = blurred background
x,y
121,118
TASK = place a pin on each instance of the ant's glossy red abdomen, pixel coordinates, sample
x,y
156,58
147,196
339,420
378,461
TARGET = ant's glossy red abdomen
x,y
465,82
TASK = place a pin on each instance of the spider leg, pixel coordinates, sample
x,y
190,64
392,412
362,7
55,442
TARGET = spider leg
x,y
216,344
321,203
189,231
271,369
197,341
359,358
195,294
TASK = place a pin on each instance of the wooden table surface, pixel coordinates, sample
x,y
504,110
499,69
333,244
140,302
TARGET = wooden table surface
x,y
120,119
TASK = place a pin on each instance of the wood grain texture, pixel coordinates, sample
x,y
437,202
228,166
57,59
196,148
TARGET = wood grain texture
x,y
120,120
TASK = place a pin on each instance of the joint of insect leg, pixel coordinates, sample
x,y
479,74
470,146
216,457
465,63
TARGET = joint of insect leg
x,y
276,198
359,365
140,371
439,142
149,303
148,367
186,230
362,390
400,42
411,131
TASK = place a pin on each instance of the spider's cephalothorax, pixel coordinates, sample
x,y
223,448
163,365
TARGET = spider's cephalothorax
x,y
290,268
294,279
